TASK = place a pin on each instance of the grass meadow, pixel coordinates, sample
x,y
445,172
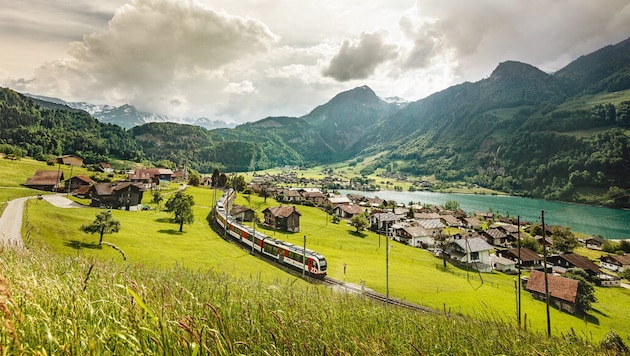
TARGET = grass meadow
x,y
195,293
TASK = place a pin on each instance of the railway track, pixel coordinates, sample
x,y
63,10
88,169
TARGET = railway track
x,y
376,296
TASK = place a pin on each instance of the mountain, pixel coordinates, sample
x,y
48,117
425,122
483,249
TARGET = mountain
x,y
560,136
605,69
127,116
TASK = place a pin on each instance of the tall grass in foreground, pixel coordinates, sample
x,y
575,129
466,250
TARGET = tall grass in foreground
x,y
61,305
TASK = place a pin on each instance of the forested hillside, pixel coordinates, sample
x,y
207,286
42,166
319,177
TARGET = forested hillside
x,y
37,131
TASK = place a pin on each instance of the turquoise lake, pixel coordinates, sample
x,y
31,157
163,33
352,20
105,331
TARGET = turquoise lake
x,y
593,220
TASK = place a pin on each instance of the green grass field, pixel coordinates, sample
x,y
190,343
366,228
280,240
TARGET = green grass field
x,y
149,239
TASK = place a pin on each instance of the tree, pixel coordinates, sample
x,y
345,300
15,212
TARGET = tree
x,y
194,179
359,221
103,224
180,205
586,292
157,199
215,178
238,183
563,240
451,205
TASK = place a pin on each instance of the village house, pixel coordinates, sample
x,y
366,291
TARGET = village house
x,y
450,220
617,263
562,291
119,195
70,160
291,196
471,223
348,211
484,215
73,184
502,264
474,251
528,258
242,213
105,167
496,237
337,200
45,180
285,218
383,222
571,260
594,242
413,235
314,197
151,177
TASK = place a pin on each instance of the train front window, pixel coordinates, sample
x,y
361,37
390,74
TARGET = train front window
x,y
322,264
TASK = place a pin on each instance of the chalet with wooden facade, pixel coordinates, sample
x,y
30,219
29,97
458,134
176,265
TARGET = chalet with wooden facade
x,y
120,195
150,177
348,211
242,213
70,160
594,242
45,180
562,291
528,258
281,217
571,260
73,184
618,263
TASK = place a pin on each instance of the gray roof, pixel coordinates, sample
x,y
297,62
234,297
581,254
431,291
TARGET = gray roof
x,y
474,244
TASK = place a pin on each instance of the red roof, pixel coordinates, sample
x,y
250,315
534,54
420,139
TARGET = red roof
x,y
559,287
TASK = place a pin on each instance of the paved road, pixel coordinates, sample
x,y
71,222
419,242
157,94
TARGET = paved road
x,y
11,223
11,219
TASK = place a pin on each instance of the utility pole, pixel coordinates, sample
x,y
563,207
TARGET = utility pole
x,y
304,260
387,262
545,267
518,297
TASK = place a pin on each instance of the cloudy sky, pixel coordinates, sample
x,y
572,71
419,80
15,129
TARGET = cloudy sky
x,y
248,59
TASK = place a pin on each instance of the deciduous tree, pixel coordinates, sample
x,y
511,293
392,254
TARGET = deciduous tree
x,y
103,224
181,206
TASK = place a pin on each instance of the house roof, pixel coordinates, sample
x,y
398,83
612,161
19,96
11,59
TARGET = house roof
x,y
148,173
559,287
620,259
495,233
282,211
386,217
83,179
351,209
580,262
502,260
526,254
417,231
426,216
474,244
45,178
290,193
450,220
103,189
339,200
431,223
472,221
82,190
237,209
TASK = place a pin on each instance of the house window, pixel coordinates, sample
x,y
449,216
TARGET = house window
x,y
474,256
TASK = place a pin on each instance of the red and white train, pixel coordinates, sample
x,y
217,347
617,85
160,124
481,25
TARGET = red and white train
x,y
284,253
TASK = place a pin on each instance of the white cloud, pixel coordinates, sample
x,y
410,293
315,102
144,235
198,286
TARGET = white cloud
x,y
247,59
240,88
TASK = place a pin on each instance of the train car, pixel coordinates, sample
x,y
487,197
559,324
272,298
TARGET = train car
x,y
280,251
